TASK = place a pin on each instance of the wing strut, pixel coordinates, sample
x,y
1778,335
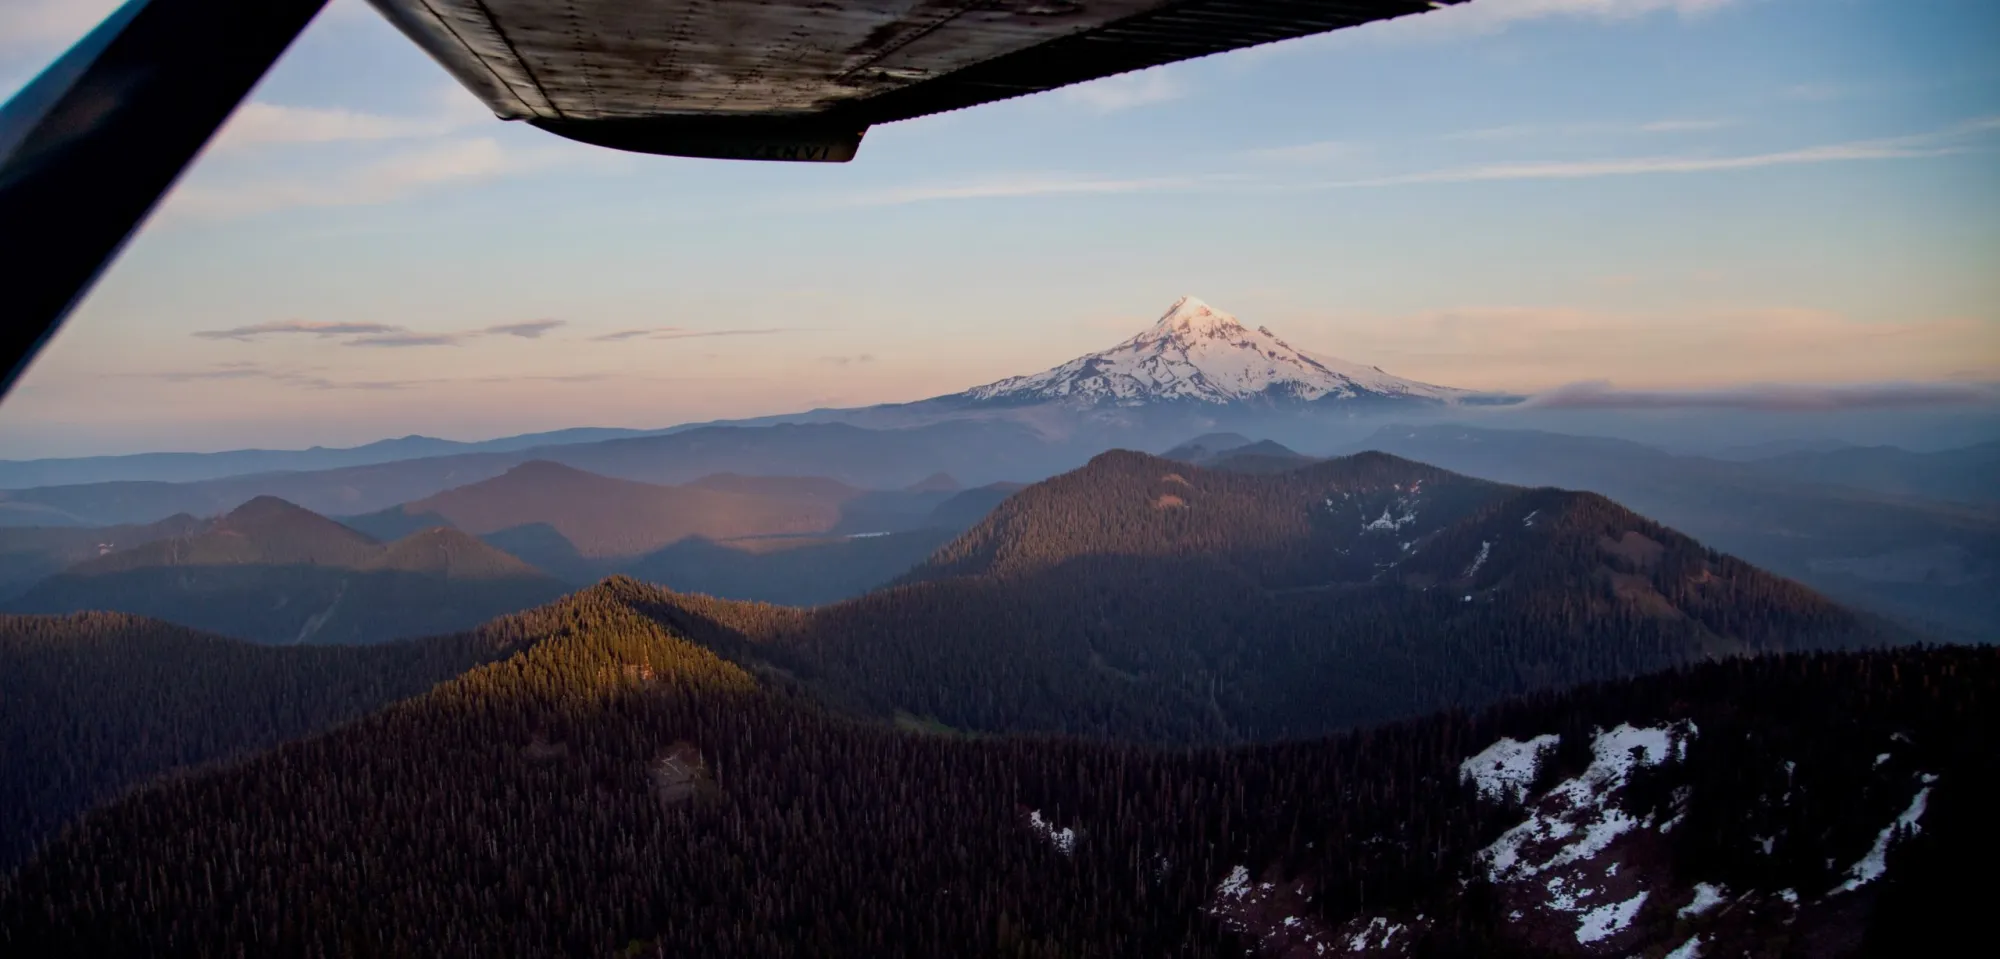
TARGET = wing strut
x,y
89,147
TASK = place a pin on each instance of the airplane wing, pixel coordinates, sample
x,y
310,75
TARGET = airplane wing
x,y
89,147
805,79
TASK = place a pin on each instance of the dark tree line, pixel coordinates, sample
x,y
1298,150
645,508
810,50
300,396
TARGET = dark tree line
x,y
517,810
94,703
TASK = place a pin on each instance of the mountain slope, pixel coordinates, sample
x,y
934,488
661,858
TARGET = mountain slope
x,y
29,554
1930,563
605,518
682,806
1198,354
963,510
272,572
800,540
1144,599
1229,451
794,571
95,703
263,531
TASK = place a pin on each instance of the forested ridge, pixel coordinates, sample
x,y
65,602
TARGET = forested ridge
x,y
1142,599
611,787
1077,680
94,703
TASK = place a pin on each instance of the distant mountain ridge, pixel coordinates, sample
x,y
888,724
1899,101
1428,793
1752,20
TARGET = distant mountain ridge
x,y
1232,451
31,554
603,517
190,467
800,540
273,572
972,451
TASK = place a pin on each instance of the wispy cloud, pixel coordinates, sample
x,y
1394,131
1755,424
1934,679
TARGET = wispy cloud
x,y
1480,17
379,334
679,333
1523,348
1126,91
1020,185
1305,152
308,378
703,334
220,371
377,181
859,359
1489,16
1890,149
530,330
1683,126
267,124
315,378
1774,397
1955,139
282,327
623,335
410,339
1507,132
1545,131
260,124
34,25
1813,92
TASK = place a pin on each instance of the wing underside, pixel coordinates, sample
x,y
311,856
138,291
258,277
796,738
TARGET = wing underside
x,y
804,79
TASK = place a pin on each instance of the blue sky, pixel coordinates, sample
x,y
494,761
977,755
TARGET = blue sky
x,y
1515,194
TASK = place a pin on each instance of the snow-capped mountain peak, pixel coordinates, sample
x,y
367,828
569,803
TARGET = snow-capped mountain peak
x,y
1190,316
1197,353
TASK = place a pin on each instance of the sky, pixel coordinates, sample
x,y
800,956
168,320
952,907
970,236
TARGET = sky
x,y
1587,197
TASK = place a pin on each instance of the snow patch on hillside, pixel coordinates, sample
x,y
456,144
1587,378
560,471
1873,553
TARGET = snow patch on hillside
x,y
1503,771
1279,917
1582,810
1609,919
1706,896
1385,522
1876,862
1485,549
1690,949
1063,839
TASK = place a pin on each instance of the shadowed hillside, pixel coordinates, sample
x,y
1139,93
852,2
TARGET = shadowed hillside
x,y
1139,598
272,572
794,571
683,806
1933,564
32,553
94,703
603,518
791,539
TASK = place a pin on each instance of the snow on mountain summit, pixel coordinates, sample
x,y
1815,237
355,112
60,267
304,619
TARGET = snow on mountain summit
x,y
1192,316
1201,354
